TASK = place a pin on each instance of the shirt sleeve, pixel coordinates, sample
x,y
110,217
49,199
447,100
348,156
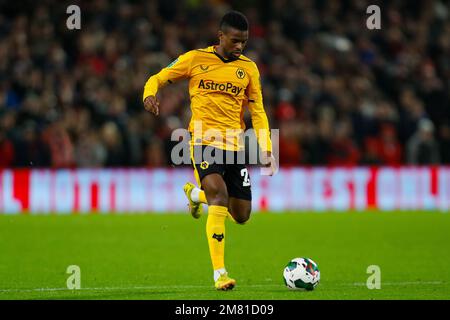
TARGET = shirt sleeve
x,y
179,69
257,112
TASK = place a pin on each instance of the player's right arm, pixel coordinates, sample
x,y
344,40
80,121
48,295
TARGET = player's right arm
x,y
177,70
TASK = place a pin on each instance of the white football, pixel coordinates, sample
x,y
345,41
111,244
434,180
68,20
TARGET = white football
x,y
301,274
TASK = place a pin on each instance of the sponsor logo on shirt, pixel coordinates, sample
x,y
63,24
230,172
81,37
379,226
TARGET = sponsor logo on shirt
x,y
216,86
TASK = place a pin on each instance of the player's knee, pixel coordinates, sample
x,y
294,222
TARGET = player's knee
x,y
243,216
241,220
217,196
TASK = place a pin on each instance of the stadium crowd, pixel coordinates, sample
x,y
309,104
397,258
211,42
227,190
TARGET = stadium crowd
x,y
340,94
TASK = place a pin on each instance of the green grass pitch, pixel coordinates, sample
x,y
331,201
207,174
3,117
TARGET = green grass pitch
x,y
159,256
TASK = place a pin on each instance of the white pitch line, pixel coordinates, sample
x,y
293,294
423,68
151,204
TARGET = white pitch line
x,y
126,288
199,287
410,283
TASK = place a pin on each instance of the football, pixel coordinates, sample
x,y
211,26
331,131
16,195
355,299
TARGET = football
x,y
301,274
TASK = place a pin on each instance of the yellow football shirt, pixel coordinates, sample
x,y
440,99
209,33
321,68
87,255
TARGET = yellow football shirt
x,y
219,90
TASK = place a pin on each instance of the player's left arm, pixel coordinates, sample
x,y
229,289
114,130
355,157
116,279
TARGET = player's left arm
x,y
259,118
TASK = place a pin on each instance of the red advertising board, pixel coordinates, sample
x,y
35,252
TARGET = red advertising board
x,y
142,190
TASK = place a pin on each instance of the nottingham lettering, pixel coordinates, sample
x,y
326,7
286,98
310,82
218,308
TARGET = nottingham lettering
x,y
227,87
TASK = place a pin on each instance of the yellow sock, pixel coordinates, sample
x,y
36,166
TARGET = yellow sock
x,y
215,232
202,197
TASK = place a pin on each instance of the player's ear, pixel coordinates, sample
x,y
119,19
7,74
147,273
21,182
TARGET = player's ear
x,y
220,34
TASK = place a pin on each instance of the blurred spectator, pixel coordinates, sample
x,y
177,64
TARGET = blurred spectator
x,y
444,132
384,149
371,152
317,140
90,152
61,148
115,153
411,110
30,149
6,151
391,152
289,147
422,147
155,155
343,151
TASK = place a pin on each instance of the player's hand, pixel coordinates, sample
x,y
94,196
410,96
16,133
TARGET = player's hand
x,y
270,164
151,104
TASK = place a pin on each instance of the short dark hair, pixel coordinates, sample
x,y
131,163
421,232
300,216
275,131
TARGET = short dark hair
x,y
234,19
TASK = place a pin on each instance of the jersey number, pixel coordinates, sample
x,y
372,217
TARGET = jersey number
x,y
246,182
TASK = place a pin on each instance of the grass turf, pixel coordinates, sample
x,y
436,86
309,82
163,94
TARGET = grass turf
x,y
166,256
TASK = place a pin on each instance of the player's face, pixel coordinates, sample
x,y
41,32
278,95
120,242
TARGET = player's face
x,y
233,42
